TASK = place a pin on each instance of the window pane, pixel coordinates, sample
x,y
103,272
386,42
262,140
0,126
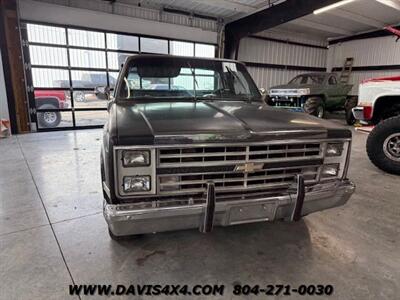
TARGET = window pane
x,y
182,48
87,58
43,77
205,83
88,79
53,119
84,38
49,56
90,118
52,99
122,42
46,34
112,77
116,59
183,82
203,50
89,99
154,45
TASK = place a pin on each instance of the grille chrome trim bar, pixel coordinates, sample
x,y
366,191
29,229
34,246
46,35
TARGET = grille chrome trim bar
x,y
232,188
188,182
218,155
274,142
235,162
238,153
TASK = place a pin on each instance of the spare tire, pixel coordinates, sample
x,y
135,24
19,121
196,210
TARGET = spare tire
x,y
315,106
383,145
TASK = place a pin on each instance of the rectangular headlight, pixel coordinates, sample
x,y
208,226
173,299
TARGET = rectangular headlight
x,y
137,184
135,158
330,170
334,149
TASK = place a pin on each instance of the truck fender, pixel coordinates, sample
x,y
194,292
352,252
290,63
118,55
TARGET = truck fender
x,y
54,101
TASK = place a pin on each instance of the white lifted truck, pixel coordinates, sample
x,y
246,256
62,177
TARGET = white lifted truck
x,y
379,104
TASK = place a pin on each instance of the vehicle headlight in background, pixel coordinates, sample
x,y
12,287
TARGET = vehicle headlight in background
x,y
136,184
334,149
331,170
303,91
135,158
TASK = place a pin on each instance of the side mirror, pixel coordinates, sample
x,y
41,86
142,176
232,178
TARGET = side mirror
x,y
102,92
109,104
264,94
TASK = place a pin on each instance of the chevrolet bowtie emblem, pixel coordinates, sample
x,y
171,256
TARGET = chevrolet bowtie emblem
x,y
249,167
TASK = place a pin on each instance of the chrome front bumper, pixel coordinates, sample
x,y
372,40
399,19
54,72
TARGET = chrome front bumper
x,y
129,219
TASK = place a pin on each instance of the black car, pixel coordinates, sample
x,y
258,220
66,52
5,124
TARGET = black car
x,y
211,153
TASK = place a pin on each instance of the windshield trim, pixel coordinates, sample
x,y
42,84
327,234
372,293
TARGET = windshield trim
x,y
254,94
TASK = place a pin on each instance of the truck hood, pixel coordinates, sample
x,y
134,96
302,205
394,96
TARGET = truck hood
x,y
190,122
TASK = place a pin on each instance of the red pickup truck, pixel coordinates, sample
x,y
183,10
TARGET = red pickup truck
x,y
50,99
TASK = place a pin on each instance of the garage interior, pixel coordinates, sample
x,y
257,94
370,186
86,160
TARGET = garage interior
x,y
52,231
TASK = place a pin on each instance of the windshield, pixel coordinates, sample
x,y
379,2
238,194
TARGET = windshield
x,y
307,79
178,78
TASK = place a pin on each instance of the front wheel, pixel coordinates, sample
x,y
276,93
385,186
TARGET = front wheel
x,y
49,119
315,106
383,145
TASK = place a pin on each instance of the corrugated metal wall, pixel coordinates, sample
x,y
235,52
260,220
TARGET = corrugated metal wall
x,y
382,51
119,17
294,37
255,50
279,53
138,12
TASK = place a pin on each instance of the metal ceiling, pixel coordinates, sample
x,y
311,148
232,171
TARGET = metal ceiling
x,y
354,18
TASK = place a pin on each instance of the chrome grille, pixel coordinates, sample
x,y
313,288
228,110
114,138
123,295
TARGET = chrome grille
x,y
223,155
267,178
193,167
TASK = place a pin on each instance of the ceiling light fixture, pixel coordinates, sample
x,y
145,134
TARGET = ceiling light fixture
x,y
390,3
332,6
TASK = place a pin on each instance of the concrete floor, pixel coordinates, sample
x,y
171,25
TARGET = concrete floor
x,y
52,232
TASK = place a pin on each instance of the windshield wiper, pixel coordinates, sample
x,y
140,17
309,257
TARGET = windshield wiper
x,y
239,80
194,79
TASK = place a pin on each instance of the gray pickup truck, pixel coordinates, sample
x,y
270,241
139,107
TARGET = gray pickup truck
x,y
211,153
314,93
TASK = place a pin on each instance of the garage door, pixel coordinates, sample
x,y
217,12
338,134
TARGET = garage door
x,y
65,65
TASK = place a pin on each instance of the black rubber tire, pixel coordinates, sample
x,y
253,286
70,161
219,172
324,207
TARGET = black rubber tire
x,y
348,106
350,120
42,120
375,143
116,237
313,106
79,96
